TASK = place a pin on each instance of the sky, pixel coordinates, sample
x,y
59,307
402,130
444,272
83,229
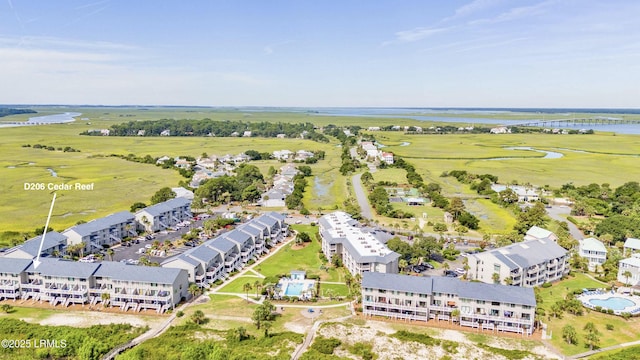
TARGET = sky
x,y
409,53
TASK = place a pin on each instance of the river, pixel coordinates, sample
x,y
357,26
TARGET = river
x,y
46,120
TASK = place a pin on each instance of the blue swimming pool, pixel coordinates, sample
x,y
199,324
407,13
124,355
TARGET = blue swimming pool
x,y
294,289
614,303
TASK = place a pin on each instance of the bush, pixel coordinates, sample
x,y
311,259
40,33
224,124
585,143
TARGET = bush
x,y
609,327
610,311
325,346
598,308
546,285
180,313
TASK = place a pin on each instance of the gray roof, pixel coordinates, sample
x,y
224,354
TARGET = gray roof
x,y
166,206
221,244
52,239
632,243
237,236
64,268
276,215
386,259
103,223
184,257
414,284
13,266
527,253
152,274
253,231
267,220
445,285
202,253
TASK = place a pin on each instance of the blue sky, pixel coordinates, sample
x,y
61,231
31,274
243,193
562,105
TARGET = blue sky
x,y
424,53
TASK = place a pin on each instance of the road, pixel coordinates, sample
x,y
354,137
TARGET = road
x,y
557,212
363,202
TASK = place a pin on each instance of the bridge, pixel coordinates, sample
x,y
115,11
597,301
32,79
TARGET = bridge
x,y
576,122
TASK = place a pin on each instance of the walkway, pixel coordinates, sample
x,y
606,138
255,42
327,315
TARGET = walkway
x,y
312,333
614,347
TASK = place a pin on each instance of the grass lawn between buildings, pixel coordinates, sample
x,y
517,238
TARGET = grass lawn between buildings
x,y
623,330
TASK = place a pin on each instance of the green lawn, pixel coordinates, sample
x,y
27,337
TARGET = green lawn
x,y
236,286
624,330
395,175
337,289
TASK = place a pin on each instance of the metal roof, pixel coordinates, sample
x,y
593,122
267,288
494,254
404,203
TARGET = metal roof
x,y
102,223
152,274
166,206
13,266
64,268
221,244
52,239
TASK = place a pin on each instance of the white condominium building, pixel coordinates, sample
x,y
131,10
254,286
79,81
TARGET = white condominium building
x,y
479,305
360,251
528,264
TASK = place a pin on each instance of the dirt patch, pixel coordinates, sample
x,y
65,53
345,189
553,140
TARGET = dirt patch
x,y
87,319
300,246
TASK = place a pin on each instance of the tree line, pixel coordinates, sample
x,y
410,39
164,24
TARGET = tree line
x,y
5,111
208,127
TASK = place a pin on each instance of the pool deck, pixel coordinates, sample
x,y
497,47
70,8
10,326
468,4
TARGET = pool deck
x,y
604,295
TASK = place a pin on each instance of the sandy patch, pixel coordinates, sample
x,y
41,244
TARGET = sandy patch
x,y
86,319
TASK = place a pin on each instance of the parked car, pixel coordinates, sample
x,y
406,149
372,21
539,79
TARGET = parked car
x,y
450,273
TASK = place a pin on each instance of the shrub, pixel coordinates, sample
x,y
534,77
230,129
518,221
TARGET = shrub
x,y
598,308
609,327
546,285
325,346
610,311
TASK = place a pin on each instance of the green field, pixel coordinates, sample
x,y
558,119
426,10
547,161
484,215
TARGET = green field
x,y
624,330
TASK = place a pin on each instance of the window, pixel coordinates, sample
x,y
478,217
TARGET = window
x,y
496,268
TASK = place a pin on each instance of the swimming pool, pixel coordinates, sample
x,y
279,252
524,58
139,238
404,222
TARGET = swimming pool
x,y
294,289
614,303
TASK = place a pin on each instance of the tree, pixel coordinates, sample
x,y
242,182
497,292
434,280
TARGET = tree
x,y
238,334
533,216
110,254
247,287
105,298
6,308
508,280
336,260
455,314
137,206
440,228
162,195
456,207
266,325
262,313
258,286
402,264
198,317
592,337
495,277
194,290
303,237
569,334
251,193
627,274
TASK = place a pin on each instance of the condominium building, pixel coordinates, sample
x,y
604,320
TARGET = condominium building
x,y
527,264
245,244
64,282
415,298
203,264
538,233
273,225
108,230
54,244
164,215
631,246
360,251
594,251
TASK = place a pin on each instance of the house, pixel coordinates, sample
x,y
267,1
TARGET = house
x,y
281,136
289,170
418,298
141,132
107,231
183,193
594,251
529,263
302,155
105,132
182,163
282,154
162,159
273,198
500,130
629,270
164,215
387,157
538,233
206,162
165,133
360,251
54,244
525,194
631,246
370,149
246,134
374,128
448,217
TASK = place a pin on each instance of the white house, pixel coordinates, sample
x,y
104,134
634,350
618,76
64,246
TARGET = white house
x,y
629,266
538,233
631,246
387,157
594,251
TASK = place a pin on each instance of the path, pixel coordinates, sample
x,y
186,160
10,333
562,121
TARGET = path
x,y
614,347
363,202
312,333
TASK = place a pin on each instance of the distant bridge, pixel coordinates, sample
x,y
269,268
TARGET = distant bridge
x,y
576,122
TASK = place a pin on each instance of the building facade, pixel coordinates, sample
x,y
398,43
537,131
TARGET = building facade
x,y
54,244
629,270
164,215
594,251
527,264
108,230
360,251
420,298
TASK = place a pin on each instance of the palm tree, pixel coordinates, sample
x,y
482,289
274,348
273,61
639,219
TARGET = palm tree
x,y
247,287
198,317
194,290
402,263
105,299
258,286
455,314
266,325
508,280
495,277
627,274
240,333
446,265
110,253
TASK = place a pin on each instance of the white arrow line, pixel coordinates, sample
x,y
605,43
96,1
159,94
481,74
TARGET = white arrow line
x,y
36,262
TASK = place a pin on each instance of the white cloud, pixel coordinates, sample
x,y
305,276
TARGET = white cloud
x,y
517,13
473,7
417,34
